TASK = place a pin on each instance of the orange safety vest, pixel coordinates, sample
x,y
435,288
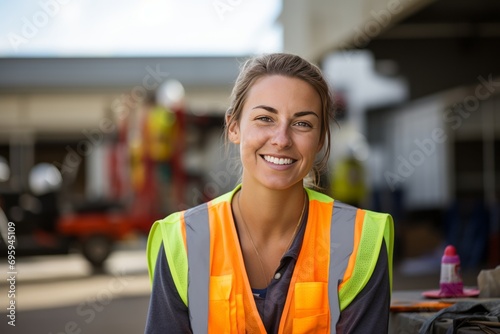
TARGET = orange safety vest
x,y
339,252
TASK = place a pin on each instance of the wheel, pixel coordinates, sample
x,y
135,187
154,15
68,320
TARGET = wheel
x,y
96,249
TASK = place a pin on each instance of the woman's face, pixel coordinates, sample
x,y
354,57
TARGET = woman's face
x,y
278,131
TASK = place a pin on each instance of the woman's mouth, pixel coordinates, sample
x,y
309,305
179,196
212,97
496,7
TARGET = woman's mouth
x,y
278,161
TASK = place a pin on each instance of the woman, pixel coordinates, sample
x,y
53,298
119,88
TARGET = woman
x,y
273,256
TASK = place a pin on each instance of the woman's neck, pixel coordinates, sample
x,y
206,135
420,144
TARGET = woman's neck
x,y
271,213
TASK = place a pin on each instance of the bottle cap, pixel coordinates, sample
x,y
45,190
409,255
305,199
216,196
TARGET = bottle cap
x,y
450,255
450,250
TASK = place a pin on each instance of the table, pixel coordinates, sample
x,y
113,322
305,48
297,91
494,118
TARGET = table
x,y
410,321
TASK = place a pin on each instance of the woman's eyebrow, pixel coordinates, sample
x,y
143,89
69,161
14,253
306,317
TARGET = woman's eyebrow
x,y
305,113
274,111
267,108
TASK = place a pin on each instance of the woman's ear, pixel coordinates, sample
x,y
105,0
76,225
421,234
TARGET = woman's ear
x,y
233,130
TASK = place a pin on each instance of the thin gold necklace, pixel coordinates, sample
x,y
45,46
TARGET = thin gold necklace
x,y
264,271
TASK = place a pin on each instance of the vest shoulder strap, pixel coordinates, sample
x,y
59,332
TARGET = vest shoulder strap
x,y
170,231
375,228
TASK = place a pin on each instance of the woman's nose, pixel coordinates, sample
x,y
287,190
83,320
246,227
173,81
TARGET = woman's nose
x,y
281,137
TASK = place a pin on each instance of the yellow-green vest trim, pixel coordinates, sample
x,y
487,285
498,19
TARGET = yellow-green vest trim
x,y
349,273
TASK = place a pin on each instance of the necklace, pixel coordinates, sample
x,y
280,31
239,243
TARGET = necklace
x,y
264,271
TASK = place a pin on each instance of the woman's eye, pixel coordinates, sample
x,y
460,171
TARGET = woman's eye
x,y
303,124
264,119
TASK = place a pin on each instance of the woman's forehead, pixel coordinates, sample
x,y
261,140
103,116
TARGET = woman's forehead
x,y
278,88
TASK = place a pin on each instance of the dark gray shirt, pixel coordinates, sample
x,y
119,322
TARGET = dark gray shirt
x,y
367,313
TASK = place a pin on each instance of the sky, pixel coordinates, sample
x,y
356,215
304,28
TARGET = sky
x,y
111,28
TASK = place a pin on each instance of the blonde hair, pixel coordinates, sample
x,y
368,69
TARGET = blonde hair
x,y
292,66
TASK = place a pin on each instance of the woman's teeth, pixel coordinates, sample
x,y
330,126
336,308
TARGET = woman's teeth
x,y
278,161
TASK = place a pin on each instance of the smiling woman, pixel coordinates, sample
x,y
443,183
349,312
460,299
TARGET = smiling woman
x,y
273,256
279,123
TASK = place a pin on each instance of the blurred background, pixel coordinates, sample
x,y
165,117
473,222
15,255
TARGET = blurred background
x,y
111,117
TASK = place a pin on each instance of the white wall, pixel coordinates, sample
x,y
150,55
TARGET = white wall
x,y
417,161
419,141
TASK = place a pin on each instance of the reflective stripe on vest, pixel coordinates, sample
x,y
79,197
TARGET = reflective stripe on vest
x,y
355,237
341,246
198,245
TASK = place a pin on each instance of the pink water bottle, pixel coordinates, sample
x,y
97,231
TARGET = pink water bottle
x,y
450,283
